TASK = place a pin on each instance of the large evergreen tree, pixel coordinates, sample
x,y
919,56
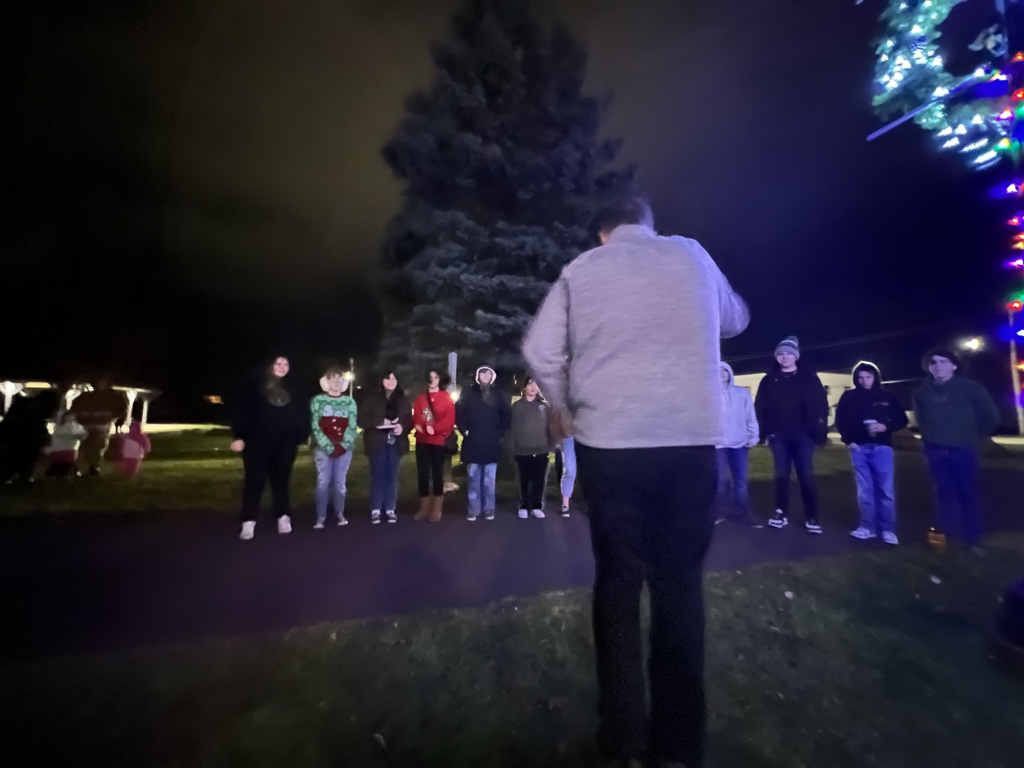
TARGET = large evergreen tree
x,y
504,168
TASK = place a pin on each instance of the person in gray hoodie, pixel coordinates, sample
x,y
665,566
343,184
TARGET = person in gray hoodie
x,y
531,446
627,343
741,434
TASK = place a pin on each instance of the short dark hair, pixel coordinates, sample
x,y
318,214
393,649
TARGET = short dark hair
x,y
945,352
633,209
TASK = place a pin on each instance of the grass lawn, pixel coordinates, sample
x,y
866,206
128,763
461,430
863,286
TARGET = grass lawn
x,y
854,661
196,471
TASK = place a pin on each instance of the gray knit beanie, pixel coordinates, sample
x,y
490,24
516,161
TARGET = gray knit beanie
x,y
789,344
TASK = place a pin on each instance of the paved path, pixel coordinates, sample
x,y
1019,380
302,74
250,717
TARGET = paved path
x,y
83,585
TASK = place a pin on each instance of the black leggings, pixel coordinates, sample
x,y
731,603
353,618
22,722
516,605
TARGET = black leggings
x,y
533,474
267,461
430,468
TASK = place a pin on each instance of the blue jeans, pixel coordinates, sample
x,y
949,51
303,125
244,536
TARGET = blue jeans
x,y
955,474
568,466
733,462
384,466
330,476
481,485
876,486
794,450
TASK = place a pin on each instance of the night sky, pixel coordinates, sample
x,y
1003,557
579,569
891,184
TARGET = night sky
x,y
194,183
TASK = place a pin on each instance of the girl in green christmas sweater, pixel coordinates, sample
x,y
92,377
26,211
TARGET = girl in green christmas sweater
x,y
334,437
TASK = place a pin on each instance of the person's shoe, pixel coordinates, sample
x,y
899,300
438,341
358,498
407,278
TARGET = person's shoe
x,y
437,503
342,520
375,516
538,513
890,538
472,516
451,487
779,519
523,514
565,510
284,524
318,525
813,526
248,530
424,509
863,533
489,514
392,517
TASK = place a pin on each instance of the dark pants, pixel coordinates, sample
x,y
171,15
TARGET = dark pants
x,y
650,519
794,450
733,462
267,461
384,466
955,474
430,468
533,474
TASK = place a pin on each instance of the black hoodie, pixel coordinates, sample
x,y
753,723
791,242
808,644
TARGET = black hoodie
x,y
792,402
857,405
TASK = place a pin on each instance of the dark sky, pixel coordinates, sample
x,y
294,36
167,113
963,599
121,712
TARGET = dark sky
x,y
193,181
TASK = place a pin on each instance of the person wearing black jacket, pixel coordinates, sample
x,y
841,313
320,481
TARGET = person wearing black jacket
x,y
483,417
792,411
866,417
269,419
386,420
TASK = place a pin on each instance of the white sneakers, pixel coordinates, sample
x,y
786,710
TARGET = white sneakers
x,y
890,538
375,516
318,525
248,530
392,517
284,524
523,514
538,513
864,534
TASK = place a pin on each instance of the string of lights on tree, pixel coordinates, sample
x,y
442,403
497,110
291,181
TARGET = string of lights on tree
x,y
978,115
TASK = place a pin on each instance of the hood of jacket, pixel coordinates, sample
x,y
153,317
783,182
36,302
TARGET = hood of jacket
x,y
864,365
728,369
481,369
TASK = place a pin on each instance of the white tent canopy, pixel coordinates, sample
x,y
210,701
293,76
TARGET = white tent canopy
x,y
11,388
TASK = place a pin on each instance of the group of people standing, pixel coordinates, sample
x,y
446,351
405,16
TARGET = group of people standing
x,y
270,419
791,414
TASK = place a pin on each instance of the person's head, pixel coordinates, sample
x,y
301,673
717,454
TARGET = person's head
x,y
531,390
867,376
435,379
787,352
942,364
726,373
280,366
334,382
629,210
388,382
485,376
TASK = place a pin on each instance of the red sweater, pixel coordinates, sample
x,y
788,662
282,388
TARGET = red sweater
x,y
442,418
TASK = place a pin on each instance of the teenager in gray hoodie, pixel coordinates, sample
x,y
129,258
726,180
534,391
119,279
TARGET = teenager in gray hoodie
x,y
531,446
741,434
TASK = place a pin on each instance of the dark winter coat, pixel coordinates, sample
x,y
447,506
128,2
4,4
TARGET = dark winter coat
x,y
374,410
794,402
483,417
858,405
957,414
531,427
255,419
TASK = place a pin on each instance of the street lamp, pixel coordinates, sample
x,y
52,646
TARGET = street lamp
x,y
974,344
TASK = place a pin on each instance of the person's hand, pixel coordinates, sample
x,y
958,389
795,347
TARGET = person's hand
x,y
430,429
877,429
398,429
339,450
419,428
752,443
237,446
